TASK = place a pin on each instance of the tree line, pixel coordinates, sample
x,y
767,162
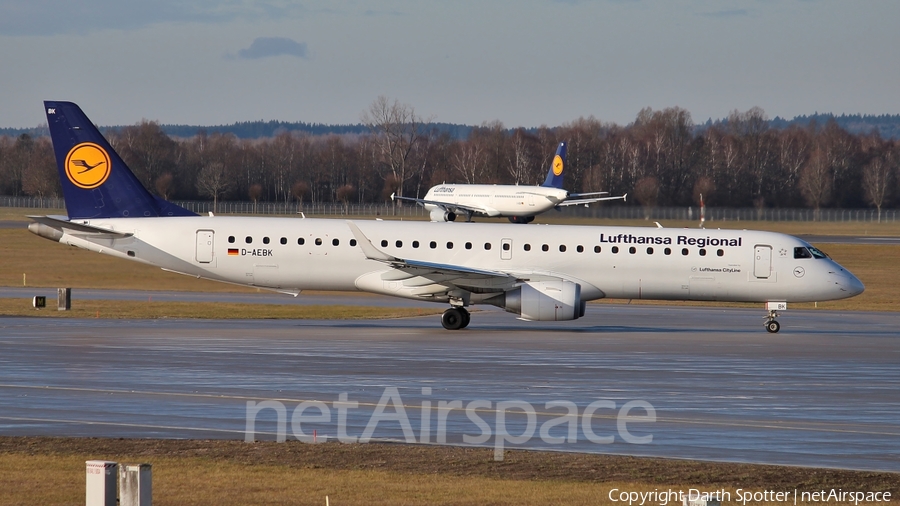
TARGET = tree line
x,y
660,159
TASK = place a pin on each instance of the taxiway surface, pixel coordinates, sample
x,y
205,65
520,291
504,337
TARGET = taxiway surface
x,y
823,392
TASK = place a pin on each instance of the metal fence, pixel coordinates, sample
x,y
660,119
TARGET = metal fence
x,y
597,211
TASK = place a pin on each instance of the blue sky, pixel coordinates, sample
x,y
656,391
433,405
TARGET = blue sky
x,y
522,62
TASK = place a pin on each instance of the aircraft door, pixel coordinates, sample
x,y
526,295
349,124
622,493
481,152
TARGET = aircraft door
x,y
762,261
505,249
205,246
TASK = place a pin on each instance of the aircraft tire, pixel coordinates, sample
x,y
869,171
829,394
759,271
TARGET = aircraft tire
x,y
452,319
466,317
773,326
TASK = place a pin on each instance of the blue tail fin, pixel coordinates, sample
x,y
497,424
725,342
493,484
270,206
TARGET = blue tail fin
x,y
96,183
557,167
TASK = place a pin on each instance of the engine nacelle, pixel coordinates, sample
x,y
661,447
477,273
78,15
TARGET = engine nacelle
x,y
441,215
555,300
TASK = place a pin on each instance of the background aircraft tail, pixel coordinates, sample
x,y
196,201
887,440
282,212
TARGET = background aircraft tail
x,y
557,167
96,183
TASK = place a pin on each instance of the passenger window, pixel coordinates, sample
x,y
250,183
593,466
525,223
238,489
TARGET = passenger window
x,y
384,243
487,246
352,242
527,247
432,245
468,245
649,251
614,249
449,245
720,252
597,249
545,248
580,249
506,246
801,252
702,252
301,241
284,240
399,244
265,240
684,251
415,244
632,250
335,242
318,241
230,239
248,240
667,251
562,248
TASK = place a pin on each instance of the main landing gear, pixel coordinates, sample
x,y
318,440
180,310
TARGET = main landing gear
x,y
455,318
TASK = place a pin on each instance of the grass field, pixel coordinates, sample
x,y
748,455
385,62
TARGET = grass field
x,y
50,471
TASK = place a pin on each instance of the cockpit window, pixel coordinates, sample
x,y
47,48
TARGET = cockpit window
x,y
801,252
817,253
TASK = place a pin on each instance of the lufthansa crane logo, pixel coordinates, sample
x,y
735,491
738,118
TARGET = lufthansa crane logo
x,y
87,165
557,165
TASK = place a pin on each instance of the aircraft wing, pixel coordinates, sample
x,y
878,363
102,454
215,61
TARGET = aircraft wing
x,y
418,267
453,208
577,202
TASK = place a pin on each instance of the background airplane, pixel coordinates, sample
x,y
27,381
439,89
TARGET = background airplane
x,y
517,202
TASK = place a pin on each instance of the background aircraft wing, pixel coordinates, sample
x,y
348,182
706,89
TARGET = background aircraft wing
x,y
576,202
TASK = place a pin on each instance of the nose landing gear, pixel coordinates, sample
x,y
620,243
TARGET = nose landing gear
x,y
455,318
772,326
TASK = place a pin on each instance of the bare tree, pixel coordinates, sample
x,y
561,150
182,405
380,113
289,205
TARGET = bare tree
x,y
396,129
466,160
646,192
816,179
40,177
214,181
878,172
165,185
344,194
299,190
255,192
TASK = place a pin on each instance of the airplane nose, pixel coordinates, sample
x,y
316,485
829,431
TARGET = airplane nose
x,y
854,285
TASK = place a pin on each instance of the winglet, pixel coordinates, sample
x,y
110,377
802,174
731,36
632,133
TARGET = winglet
x,y
369,249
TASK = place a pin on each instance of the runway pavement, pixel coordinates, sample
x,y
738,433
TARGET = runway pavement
x,y
823,392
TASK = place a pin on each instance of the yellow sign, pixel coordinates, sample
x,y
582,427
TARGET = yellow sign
x,y
87,165
557,165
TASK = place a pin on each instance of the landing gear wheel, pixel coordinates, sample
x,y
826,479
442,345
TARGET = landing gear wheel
x,y
773,326
466,317
453,319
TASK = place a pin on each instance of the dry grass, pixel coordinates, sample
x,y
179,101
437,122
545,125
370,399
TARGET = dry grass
x,y
51,471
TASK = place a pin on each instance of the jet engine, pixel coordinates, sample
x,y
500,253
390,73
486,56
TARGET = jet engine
x,y
442,215
554,300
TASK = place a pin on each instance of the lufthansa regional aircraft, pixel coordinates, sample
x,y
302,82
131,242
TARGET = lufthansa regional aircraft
x,y
519,204
540,273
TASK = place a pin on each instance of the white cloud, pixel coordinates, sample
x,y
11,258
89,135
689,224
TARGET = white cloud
x,y
264,47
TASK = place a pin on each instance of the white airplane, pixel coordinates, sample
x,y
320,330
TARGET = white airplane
x,y
518,203
540,273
